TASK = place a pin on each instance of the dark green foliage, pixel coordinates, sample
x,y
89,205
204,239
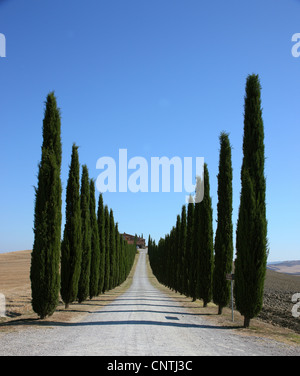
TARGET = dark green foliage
x,y
84,280
205,268
189,258
224,237
95,244
112,241
196,252
183,232
183,260
52,129
177,254
45,257
122,260
251,236
101,231
71,244
107,249
118,256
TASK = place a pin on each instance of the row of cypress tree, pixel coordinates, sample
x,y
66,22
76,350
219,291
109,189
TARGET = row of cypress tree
x,y
95,257
183,259
92,257
188,261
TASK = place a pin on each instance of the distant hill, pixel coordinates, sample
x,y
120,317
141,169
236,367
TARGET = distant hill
x,y
288,267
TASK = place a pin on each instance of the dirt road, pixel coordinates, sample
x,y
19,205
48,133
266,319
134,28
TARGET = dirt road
x,y
142,321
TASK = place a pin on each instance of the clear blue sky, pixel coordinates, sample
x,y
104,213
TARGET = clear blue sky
x,y
160,78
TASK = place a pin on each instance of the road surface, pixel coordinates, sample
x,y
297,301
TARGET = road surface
x,y
141,322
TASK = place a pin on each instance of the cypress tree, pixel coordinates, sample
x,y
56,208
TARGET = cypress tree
x,y
166,249
107,250
172,274
71,244
84,280
112,241
251,235
117,241
122,260
101,230
196,246
177,254
189,248
224,238
182,249
205,269
95,244
45,257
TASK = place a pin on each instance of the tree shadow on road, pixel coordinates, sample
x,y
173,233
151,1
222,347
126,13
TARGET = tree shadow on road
x,y
45,323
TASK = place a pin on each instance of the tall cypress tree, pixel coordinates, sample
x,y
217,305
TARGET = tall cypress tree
x,y
84,280
101,230
95,244
205,270
189,248
122,259
112,241
182,250
118,257
71,244
196,250
251,235
197,236
224,238
177,254
45,257
107,250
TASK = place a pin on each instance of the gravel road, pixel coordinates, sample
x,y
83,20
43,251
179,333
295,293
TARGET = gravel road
x,y
141,322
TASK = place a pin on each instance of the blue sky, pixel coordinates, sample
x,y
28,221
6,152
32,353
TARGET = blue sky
x,y
159,78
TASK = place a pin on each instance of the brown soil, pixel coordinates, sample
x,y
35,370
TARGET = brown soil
x,y
279,289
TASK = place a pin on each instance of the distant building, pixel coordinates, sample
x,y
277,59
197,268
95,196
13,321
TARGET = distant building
x,y
140,242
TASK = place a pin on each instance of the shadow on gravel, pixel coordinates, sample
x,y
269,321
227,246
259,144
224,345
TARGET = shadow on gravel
x,y
38,322
152,311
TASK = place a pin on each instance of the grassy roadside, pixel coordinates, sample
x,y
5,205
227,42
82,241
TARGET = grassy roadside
x,y
258,328
76,312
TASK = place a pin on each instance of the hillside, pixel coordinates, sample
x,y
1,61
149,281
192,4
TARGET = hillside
x,y
289,267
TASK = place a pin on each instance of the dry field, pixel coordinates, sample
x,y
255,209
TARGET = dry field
x,y
279,289
275,320
15,285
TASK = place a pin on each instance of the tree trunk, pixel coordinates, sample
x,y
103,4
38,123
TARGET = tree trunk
x,y
246,322
220,310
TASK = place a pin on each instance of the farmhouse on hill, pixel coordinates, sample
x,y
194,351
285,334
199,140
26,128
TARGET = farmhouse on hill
x,y
140,242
